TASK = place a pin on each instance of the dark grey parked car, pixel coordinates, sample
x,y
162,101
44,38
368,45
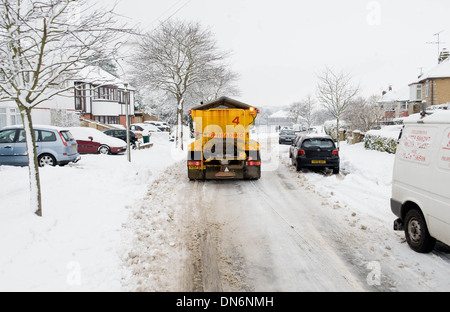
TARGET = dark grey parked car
x,y
315,151
287,136
54,146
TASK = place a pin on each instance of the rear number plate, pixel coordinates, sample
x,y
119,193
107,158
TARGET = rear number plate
x,y
315,162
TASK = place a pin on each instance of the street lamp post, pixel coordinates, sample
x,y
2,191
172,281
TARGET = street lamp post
x,y
127,123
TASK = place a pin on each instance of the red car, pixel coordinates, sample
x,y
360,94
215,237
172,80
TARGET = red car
x,y
93,141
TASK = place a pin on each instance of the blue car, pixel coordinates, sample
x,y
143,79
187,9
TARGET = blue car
x,y
54,146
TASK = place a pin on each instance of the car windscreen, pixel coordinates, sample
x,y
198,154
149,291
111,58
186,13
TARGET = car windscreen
x,y
318,143
284,132
67,136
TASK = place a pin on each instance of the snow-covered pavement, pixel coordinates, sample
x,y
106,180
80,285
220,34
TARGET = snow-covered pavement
x,y
113,226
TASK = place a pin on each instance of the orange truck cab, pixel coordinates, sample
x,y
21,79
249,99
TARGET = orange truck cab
x,y
222,148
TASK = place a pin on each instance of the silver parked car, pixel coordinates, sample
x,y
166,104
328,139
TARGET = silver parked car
x,y
54,146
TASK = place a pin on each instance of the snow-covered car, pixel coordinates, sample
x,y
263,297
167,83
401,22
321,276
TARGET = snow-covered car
x,y
93,141
163,126
144,129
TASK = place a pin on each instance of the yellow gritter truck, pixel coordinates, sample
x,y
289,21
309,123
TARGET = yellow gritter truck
x,y
222,148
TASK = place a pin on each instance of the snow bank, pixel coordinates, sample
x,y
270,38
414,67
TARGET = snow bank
x,y
75,246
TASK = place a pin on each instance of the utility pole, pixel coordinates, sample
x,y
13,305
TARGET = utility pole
x,y
438,42
127,123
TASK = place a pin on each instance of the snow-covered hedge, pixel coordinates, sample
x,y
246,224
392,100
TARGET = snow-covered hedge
x,y
384,140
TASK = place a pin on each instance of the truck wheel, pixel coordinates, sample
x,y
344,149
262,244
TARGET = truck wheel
x,y
417,234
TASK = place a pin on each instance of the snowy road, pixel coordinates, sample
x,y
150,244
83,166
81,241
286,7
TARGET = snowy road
x,y
278,234
265,236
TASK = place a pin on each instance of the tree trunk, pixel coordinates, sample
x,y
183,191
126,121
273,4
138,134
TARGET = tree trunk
x,y
180,130
33,166
338,137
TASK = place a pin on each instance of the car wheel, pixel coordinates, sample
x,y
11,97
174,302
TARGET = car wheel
x,y
298,166
336,170
104,150
292,161
417,234
46,160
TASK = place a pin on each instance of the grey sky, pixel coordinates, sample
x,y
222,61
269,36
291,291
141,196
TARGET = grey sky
x,y
278,47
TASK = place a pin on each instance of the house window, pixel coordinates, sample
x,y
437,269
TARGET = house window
x,y
110,120
2,117
80,96
419,92
14,117
122,98
427,89
106,93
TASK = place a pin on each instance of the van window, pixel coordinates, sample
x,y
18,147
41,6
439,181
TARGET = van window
x,y
444,152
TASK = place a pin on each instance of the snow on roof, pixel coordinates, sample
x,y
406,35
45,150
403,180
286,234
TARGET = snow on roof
x,y
442,70
396,96
223,102
96,75
434,116
280,114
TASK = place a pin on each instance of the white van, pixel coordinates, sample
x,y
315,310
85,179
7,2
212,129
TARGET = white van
x,y
421,181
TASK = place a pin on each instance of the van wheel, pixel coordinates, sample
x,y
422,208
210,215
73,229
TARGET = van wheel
x,y
417,234
46,160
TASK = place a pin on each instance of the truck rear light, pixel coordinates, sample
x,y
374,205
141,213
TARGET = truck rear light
x,y
62,138
335,152
194,163
254,163
301,152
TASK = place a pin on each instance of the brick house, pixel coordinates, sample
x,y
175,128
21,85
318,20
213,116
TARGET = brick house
x,y
434,86
395,104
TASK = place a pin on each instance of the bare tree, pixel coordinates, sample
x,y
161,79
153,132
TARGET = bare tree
x,y
43,46
336,93
364,115
304,109
222,83
179,58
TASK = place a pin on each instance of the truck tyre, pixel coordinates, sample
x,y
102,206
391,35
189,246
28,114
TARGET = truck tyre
x,y
417,234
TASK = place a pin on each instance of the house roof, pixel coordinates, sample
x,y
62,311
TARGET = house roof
x,y
224,102
442,70
400,95
96,75
280,114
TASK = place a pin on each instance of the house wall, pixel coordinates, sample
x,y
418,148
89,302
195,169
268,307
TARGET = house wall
x,y
438,91
442,91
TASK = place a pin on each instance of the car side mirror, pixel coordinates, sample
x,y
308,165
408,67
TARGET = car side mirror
x,y
91,138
